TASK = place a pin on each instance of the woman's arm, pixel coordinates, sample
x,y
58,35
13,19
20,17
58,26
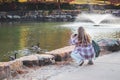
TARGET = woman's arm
x,y
73,39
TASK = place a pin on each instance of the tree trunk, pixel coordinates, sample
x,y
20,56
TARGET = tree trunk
x,y
59,2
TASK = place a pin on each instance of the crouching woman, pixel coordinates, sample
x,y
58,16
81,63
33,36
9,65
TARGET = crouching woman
x,y
83,47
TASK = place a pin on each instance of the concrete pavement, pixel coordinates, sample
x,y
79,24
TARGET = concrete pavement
x,y
106,67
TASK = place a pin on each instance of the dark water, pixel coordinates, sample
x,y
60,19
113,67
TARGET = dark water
x,y
21,35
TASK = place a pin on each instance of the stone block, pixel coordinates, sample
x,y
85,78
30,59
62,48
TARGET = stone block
x,y
4,71
62,53
15,65
37,60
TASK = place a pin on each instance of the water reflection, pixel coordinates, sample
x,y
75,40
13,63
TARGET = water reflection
x,y
9,38
23,37
102,32
19,36
49,37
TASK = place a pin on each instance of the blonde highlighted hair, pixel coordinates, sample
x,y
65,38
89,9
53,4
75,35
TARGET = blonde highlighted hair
x,y
83,37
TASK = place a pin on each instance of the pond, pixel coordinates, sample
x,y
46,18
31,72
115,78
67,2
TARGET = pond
x,y
50,35
22,35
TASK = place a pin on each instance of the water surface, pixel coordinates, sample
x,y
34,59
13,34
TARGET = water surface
x,y
22,35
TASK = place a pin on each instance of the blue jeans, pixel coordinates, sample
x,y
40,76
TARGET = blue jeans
x,y
76,56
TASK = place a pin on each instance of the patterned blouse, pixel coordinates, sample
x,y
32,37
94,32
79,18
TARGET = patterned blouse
x,y
86,52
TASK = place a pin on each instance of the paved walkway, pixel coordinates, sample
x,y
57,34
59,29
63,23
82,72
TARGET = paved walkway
x,y
106,67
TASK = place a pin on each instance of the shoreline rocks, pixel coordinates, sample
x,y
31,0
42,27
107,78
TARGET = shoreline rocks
x,y
51,57
110,44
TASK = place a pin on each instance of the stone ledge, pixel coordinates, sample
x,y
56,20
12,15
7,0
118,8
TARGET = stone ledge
x,y
62,53
37,60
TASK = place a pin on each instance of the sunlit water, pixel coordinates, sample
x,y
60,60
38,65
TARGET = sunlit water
x,y
97,32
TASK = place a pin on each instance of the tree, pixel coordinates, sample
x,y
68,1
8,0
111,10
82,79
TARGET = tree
x,y
111,1
114,1
59,2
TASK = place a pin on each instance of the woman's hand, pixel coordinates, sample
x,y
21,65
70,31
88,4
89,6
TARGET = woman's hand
x,y
73,36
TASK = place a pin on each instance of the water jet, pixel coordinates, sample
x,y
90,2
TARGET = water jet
x,y
96,24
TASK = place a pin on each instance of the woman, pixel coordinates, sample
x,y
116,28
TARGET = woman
x,y
83,47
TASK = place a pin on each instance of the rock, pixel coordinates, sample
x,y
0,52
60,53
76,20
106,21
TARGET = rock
x,y
4,70
30,63
37,60
15,64
62,53
113,48
21,71
45,59
109,44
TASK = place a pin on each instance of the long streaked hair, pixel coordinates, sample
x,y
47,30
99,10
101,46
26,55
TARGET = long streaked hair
x,y
83,37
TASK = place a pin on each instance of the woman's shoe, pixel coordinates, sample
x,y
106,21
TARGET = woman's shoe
x,y
90,62
81,63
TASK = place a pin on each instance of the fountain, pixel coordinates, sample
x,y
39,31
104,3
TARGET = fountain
x,y
94,20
